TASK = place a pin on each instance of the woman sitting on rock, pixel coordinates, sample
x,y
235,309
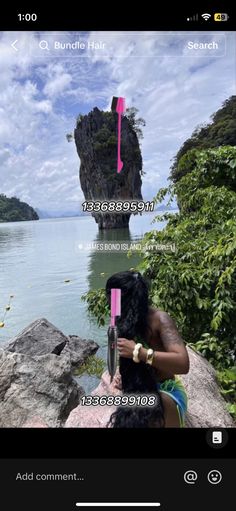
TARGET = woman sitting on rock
x,y
151,354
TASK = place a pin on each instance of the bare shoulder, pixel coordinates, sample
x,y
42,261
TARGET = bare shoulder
x,y
162,318
166,327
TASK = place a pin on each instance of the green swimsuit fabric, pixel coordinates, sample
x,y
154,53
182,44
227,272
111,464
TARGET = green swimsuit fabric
x,y
175,389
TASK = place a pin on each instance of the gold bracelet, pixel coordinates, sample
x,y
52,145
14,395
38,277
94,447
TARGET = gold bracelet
x,y
149,358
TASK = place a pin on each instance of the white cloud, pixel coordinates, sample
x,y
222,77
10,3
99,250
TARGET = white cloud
x,y
57,81
57,85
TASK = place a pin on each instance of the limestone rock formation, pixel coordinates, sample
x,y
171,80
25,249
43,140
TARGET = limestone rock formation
x,y
96,144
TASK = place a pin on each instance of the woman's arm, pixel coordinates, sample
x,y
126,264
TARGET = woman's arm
x,y
175,357
173,362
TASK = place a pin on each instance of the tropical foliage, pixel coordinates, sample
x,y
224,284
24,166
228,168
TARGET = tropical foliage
x,y
220,132
196,283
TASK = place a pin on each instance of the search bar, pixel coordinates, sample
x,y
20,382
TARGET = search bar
x,y
130,45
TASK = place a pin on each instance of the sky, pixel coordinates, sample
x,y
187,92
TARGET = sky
x,y
42,92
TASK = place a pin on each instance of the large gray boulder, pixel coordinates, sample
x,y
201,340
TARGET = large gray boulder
x,y
41,337
40,386
206,406
36,376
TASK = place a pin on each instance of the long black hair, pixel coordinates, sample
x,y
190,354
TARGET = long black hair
x,y
137,378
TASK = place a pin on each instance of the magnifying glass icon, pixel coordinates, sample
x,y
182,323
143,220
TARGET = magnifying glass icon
x,y
43,45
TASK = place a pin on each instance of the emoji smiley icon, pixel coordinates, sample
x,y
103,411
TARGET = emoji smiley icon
x,y
214,477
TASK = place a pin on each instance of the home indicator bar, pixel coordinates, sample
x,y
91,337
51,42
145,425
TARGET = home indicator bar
x,y
118,504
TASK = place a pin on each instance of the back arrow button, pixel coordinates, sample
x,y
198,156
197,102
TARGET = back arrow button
x,y
14,45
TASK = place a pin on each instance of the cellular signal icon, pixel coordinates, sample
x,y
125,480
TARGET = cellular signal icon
x,y
206,16
193,18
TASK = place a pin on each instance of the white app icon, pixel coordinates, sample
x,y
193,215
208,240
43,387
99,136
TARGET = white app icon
x,y
217,437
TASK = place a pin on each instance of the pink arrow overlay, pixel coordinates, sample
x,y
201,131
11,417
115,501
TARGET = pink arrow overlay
x,y
120,109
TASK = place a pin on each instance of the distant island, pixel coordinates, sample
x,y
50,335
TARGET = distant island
x,y
13,210
163,207
44,214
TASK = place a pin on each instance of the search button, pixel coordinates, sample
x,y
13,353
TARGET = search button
x,y
43,45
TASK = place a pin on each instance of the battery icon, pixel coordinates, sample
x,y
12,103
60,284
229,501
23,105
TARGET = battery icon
x,y
221,16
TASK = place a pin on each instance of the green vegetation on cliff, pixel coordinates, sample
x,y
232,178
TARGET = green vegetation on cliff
x,y
220,132
13,210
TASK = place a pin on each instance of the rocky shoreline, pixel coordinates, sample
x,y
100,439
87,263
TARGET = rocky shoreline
x,y
36,376
38,389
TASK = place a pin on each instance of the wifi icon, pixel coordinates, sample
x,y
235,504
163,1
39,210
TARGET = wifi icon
x,y
206,16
